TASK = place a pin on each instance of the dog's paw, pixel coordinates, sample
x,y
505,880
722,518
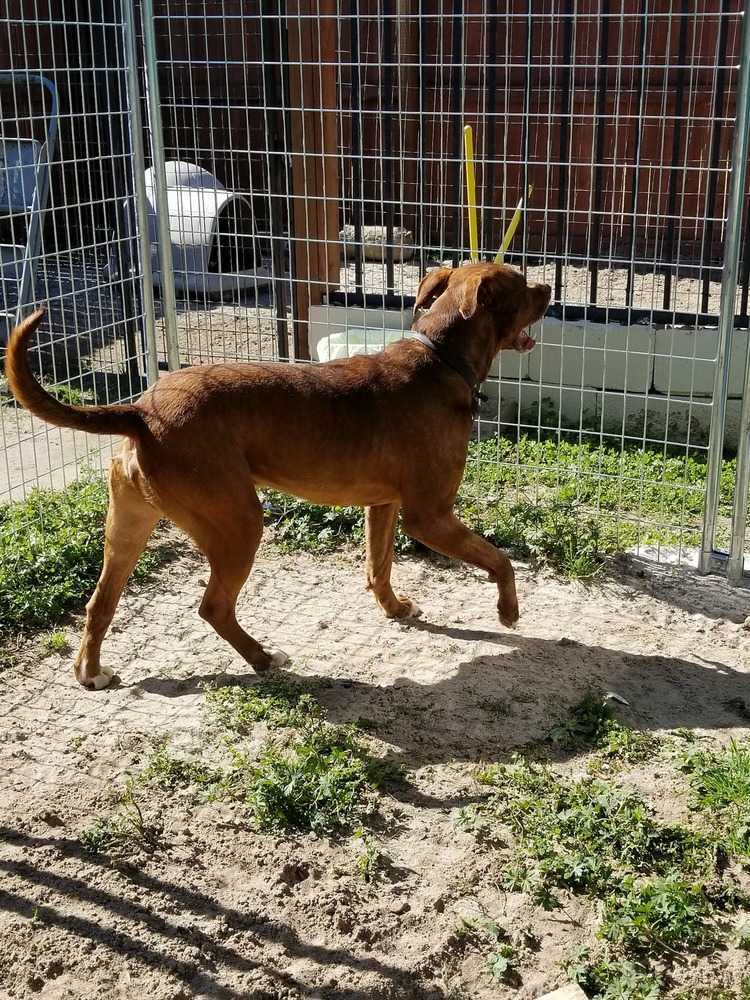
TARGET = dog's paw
x,y
99,681
406,609
508,613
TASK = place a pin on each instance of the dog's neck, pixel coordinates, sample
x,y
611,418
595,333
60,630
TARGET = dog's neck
x,y
471,340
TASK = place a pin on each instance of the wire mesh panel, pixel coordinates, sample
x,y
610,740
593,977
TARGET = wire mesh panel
x,y
64,98
332,129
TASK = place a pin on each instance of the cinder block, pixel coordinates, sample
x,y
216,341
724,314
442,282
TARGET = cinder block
x,y
592,355
511,365
327,320
570,992
685,362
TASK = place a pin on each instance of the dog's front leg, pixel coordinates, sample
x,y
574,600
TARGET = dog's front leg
x,y
444,533
380,530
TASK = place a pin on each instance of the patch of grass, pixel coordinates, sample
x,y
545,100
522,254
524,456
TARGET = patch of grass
x,y
566,504
634,481
173,772
51,548
63,391
299,525
70,395
312,776
658,882
277,702
56,642
593,724
322,782
555,531
613,979
720,783
583,836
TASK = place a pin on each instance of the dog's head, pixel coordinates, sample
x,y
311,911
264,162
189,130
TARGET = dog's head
x,y
493,291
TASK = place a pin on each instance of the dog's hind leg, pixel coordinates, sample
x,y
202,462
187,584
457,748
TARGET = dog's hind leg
x,y
230,544
380,530
130,521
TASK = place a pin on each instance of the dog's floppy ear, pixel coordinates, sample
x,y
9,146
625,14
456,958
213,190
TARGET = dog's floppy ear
x,y
431,286
467,295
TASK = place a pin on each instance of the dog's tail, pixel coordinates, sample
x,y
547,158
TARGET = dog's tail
x,y
122,419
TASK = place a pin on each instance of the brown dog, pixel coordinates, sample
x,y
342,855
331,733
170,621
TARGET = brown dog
x,y
388,432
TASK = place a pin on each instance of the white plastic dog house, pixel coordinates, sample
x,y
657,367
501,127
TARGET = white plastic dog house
x,y
214,249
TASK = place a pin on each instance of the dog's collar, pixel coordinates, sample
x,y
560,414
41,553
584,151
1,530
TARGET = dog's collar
x,y
459,366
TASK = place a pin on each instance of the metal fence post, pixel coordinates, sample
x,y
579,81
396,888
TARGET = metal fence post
x,y
736,565
733,241
139,180
164,240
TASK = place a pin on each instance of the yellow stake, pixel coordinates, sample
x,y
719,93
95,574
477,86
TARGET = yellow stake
x,y
471,192
510,232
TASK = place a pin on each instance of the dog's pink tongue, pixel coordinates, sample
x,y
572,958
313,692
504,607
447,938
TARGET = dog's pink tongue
x,y
526,343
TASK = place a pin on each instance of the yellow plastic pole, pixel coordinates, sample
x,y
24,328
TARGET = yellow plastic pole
x,y
510,232
471,192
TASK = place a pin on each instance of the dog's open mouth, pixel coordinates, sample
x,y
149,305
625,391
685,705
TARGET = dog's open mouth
x,y
524,343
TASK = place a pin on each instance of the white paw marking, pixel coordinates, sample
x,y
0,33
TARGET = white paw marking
x,y
100,680
407,610
278,659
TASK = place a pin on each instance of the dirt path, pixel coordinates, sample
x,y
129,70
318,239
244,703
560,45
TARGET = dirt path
x,y
223,911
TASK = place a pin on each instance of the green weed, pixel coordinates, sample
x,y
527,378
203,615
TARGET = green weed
x,y
321,782
317,777
371,860
56,642
501,963
659,916
501,958
592,724
613,979
124,833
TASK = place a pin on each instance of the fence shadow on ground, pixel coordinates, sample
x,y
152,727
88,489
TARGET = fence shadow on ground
x,y
82,889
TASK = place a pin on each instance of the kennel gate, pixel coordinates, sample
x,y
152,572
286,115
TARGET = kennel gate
x,y
340,122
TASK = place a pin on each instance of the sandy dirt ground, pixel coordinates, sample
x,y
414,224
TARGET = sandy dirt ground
x,y
220,910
